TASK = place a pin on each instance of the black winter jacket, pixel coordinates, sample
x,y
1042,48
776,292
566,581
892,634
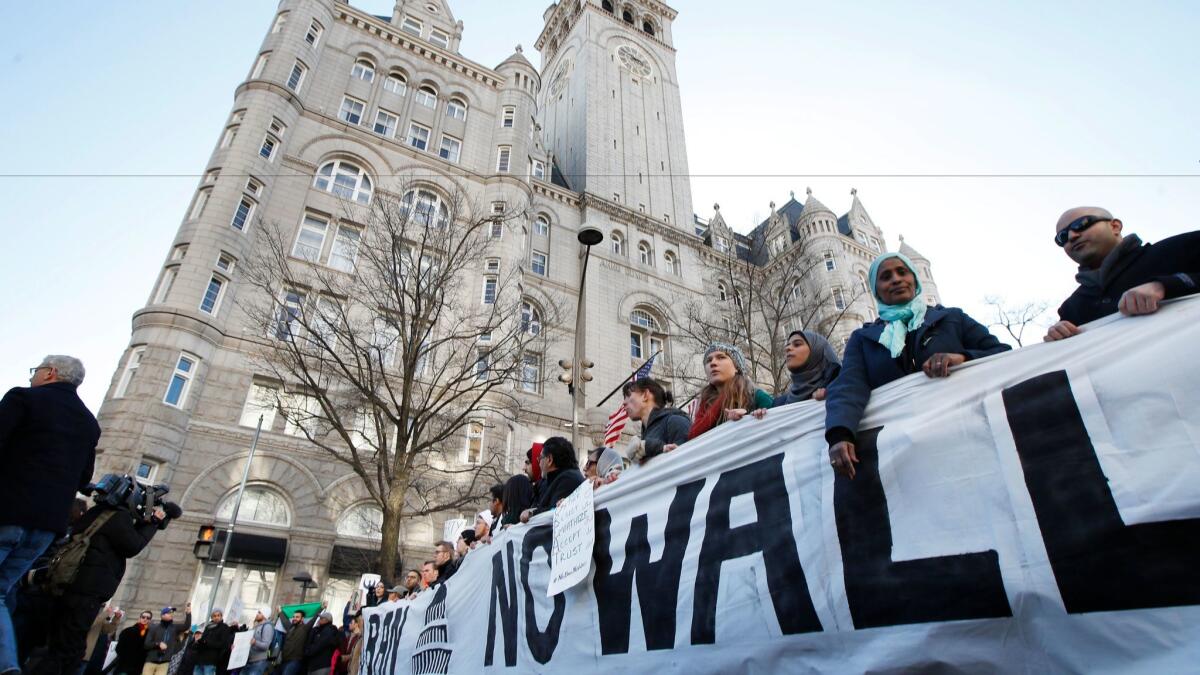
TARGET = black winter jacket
x,y
168,633
323,640
294,642
212,649
131,654
116,541
48,449
558,484
664,426
1175,262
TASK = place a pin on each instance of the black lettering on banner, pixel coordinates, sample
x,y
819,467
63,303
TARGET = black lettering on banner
x,y
1099,562
881,592
372,647
771,534
506,602
657,582
541,643
393,628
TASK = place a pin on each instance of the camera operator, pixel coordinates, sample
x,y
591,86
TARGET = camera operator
x,y
126,516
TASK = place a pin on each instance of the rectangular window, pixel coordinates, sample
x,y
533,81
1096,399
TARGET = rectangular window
x,y
279,22
418,136
492,265
181,380
538,263
386,341
314,33
540,227
531,373
656,346
395,84
503,159
296,78
474,446
225,262
345,249
539,169
164,286
385,123
179,252
426,97
838,300
635,345
260,65
451,149
201,202
262,400
325,322
496,229
456,109
254,187
489,290
508,116
267,150
242,215
351,111
310,240
212,295
411,26
302,415
230,134
481,364
127,375
829,264
439,38
210,177
289,312
146,472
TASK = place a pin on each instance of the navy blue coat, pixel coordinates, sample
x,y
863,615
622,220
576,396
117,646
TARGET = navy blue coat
x,y
48,450
867,364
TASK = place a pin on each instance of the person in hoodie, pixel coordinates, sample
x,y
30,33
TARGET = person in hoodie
x,y
161,641
562,475
663,428
260,644
603,466
323,640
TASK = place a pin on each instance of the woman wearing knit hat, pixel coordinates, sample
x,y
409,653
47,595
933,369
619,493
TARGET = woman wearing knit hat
x,y
908,337
729,394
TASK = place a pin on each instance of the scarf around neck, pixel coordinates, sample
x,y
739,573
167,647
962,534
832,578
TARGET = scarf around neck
x,y
1094,278
817,371
900,318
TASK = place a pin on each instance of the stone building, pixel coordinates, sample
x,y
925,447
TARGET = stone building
x,y
337,103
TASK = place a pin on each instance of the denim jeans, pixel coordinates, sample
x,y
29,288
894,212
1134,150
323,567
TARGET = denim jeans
x,y
255,667
295,667
19,547
205,670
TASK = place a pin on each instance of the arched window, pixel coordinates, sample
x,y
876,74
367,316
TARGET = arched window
x,y
345,180
396,83
722,291
618,243
531,318
541,226
430,209
260,506
672,262
457,108
363,520
627,16
648,28
363,70
607,6
427,96
646,334
645,254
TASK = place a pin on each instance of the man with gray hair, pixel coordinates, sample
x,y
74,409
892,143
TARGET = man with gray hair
x,y
47,448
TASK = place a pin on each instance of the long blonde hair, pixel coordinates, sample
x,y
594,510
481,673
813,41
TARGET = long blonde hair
x,y
738,392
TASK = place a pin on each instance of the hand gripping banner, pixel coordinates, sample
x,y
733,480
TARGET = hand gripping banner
x,y
1037,511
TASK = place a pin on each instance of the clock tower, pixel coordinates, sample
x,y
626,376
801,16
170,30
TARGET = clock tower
x,y
610,108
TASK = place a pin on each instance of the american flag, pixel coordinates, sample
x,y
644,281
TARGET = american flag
x,y
617,420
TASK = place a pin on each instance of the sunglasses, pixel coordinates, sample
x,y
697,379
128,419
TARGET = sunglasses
x,y
1078,225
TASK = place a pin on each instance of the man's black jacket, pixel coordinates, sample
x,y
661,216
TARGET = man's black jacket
x,y
116,541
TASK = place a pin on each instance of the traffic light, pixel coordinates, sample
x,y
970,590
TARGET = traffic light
x,y
205,539
567,375
585,367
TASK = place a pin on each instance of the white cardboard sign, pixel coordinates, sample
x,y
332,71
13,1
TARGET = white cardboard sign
x,y
574,535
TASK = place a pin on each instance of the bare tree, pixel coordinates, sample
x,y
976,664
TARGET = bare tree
x,y
396,363
757,305
1015,318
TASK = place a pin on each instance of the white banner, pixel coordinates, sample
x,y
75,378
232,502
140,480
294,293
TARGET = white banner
x,y
241,649
1037,511
574,533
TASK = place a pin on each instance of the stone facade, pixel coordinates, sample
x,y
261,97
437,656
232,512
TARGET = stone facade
x,y
594,136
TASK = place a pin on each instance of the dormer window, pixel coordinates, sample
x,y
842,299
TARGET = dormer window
x,y
439,38
648,28
411,26
627,16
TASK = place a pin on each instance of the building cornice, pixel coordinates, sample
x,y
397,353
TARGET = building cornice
x,y
388,33
630,217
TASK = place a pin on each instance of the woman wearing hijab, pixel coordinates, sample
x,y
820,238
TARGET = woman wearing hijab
x,y
908,337
813,365
729,394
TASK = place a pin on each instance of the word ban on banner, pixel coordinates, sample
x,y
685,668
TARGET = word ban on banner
x,y
1037,511
574,531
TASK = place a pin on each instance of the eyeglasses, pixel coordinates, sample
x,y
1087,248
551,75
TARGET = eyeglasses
x,y
147,617
33,371
1078,225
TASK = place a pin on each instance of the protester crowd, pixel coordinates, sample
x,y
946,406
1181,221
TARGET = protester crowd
x,y
48,440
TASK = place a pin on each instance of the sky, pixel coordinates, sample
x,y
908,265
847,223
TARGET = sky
x,y
968,126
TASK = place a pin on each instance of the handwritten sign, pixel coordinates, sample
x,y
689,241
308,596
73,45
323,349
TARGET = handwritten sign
x,y
452,529
574,535
241,649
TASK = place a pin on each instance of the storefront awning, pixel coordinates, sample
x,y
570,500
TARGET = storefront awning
x,y
254,549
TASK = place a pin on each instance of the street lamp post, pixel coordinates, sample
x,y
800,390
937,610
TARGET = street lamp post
x,y
237,506
588,236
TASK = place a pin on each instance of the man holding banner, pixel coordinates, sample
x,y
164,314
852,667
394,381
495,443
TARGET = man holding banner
x,y
562,475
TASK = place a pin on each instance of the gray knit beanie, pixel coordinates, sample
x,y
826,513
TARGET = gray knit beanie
x,y
733,352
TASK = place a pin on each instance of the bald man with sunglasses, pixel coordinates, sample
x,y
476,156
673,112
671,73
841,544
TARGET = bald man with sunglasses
x,y
1120,273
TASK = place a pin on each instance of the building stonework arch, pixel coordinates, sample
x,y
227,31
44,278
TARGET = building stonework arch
x,y
329,147
292,477
646,300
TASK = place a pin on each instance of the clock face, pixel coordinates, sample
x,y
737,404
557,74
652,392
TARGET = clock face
x,y
560,78
633,60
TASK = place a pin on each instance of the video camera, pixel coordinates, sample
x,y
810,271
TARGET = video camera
x,y
121,491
